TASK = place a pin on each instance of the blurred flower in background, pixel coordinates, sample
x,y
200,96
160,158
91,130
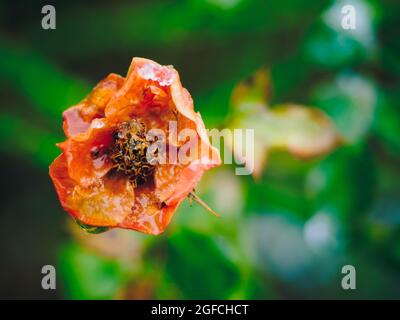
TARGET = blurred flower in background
x,y
285,234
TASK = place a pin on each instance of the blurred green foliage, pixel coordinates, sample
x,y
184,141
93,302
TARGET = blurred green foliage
x,y
285,235
87,275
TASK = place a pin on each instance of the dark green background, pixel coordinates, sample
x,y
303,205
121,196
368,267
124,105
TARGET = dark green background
x,y
286,236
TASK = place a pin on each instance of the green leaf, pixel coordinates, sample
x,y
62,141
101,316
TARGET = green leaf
x,y
350,100
386,122
18,136
344,184
199,267
50,89
302,131
330,45
87,275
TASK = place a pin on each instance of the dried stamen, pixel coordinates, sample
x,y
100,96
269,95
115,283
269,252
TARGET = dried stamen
x,y
128,153
193,196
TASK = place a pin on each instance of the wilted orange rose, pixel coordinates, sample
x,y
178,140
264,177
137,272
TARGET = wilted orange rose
x,y
103,177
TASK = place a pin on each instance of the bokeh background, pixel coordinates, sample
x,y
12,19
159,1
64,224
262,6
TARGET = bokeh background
x,y
283,236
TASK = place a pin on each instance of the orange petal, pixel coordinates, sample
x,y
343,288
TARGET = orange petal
x,y
63,184
104,205
83,167
149,214
77,119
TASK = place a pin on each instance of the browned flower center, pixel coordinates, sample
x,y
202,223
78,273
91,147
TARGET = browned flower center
x,y
128,153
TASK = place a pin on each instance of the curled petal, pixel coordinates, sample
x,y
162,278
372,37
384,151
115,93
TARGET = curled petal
x,y
184,104
77,119
64,185
104,205
85,153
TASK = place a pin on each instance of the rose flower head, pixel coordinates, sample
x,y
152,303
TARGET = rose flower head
x,y
134,150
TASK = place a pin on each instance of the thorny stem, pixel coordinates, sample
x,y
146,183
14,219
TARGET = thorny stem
x,y
195,197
